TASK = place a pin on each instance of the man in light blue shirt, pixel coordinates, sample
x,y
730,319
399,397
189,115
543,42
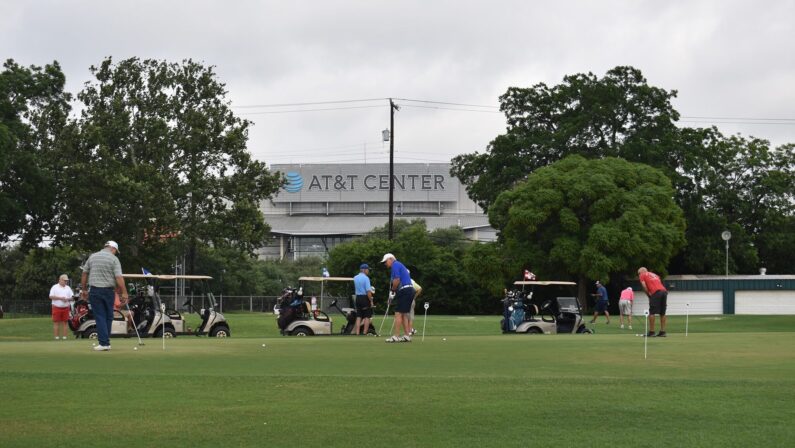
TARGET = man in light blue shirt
x,y
364,300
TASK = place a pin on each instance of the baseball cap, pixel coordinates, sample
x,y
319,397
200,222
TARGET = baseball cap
x,y
112,244
387,256
598,283
364,266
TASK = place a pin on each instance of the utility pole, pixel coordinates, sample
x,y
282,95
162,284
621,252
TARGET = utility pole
x,y
392,108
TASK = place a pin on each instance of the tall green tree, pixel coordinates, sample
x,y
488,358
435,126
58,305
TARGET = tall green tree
x,y
588,219
160,154
34,109
617,115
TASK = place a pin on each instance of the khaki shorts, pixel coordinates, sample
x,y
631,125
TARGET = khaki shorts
x,y
625,306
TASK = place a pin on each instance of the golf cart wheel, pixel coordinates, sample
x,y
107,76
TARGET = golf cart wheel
x,y
221,331
90,333
534,330
302,331
169,333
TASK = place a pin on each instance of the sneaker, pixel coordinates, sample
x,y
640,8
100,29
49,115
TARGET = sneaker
x,y
57,337
622,326
592,321
650,334
405,338
63,337
630,327
393,339
662,334
102,348
413,332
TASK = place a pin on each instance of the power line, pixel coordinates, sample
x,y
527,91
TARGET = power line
x,y
311,103
450,108
737,118
306,110
445,103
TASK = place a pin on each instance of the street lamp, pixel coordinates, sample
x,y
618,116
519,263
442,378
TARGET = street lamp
x,y
726,235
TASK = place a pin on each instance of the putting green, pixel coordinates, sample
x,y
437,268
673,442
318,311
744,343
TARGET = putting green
x,y
716,388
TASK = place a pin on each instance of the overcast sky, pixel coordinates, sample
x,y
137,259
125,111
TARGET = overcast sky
x,y
732,61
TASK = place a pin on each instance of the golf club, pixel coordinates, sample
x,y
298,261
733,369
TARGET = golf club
x,y
163,320
646,334
388,301
426,306
687,317
132,319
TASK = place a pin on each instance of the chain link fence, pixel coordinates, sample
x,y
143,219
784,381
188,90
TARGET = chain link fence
x,y
261,304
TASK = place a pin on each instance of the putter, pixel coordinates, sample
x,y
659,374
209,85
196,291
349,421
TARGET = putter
x,y
687,318
426,306
163,320
385,314
646,335
132,319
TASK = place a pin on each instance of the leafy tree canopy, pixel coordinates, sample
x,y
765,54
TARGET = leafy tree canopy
x,y
161,143
618,115
33,114
590,218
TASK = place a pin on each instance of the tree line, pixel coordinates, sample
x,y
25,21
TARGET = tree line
x,y
592,178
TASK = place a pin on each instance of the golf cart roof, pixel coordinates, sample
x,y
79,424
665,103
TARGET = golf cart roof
x,y
533,282
324,279
168,277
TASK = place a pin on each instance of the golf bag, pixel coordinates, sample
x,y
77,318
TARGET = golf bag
x,y
291,307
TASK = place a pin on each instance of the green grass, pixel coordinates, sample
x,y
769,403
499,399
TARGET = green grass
x,y
731,382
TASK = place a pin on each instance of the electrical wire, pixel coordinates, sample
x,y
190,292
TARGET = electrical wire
x,y
312,103
271,112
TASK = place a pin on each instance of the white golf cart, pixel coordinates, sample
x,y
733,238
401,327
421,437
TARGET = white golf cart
x,y
299,317
542,307
146,312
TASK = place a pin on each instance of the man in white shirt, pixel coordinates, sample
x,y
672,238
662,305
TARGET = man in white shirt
x,y
60,296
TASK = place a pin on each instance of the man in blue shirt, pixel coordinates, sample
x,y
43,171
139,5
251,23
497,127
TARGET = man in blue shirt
x,y
403,291
364,299
601,302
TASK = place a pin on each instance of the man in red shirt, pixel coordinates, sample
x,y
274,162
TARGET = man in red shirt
x,y
658,299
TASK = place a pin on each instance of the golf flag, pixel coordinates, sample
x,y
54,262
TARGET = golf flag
x,y
144,271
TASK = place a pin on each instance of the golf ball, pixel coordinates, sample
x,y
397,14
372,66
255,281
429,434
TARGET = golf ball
x,y
444,339
94,344
135,348
263,345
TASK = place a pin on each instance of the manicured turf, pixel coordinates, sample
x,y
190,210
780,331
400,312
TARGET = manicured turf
x,y
731,382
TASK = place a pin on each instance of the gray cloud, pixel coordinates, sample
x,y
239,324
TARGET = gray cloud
x,y
726,59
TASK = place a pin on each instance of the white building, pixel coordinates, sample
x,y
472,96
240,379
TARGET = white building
x,y
323,205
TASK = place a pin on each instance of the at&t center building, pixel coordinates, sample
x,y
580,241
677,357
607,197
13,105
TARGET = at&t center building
x,y
325,204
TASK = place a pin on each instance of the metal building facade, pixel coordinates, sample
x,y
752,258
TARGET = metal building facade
x,y
323,205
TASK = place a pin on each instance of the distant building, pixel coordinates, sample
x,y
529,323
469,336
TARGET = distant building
x,y
324,205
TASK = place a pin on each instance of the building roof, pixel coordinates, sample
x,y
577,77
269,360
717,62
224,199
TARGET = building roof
x,y
359,225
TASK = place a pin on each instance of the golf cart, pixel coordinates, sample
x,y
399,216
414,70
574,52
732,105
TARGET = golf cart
x,y
350,316
149,314
146,311
299,317
547,307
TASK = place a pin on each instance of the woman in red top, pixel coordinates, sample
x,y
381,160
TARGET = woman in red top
x,y
658,299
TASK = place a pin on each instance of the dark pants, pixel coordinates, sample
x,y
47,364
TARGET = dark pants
x,y
101,300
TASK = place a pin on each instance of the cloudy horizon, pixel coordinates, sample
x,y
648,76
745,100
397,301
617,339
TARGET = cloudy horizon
x,y
731,62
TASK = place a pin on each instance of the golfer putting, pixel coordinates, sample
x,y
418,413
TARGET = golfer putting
x,y
401,288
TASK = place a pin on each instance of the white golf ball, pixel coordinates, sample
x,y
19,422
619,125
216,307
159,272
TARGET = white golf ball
x,y
135,348
444,339
263,345
94,344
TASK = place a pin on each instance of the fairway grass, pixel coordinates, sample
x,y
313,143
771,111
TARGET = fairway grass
x,y
717,388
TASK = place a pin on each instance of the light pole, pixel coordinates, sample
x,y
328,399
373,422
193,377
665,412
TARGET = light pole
x,y
726,235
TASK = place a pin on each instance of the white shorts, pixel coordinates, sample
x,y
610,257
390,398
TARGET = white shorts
x,y
625,306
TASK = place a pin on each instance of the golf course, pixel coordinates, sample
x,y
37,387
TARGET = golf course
x,y
729,382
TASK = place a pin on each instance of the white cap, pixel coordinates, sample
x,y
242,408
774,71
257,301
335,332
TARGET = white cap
x,y
112,244
387,257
